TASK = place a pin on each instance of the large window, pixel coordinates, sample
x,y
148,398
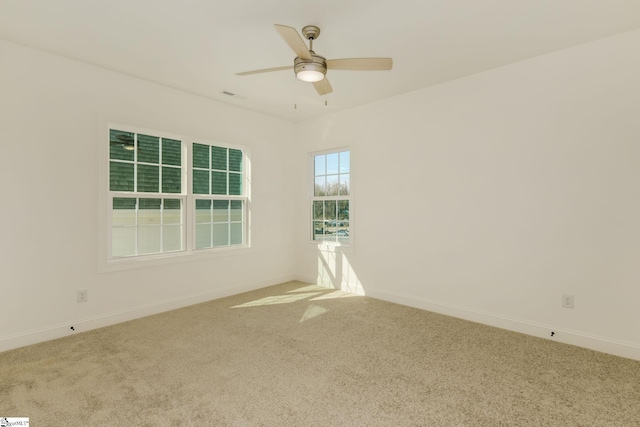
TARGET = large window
x,y
331,196
167,196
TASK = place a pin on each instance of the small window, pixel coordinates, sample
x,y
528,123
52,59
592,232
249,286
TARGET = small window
x,y
331,197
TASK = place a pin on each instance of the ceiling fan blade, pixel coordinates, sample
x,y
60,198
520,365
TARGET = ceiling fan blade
x,y
294,40
360,64
323,87
265,70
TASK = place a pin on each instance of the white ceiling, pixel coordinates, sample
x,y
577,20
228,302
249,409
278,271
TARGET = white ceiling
x,y
198,45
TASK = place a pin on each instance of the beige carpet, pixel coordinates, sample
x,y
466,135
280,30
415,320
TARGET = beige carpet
x,y
298,355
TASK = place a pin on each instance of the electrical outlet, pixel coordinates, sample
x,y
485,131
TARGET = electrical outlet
x,y
567,301
83,296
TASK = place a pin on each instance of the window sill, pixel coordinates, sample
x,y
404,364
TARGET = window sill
x,y
330,246
130,263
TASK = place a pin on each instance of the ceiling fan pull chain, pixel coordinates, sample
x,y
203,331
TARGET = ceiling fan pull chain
x,y
295,92
325,92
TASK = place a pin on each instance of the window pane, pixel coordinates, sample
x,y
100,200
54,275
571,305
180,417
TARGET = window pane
x,y
172,211
318,210
172,204
124,203
342,235
333,185
332,163
203,236
330,210
203,211
318,230
342,223
123,241
345,158
220,235
148,149
121,176
235,184
345,185
200,156
149,212
121,145
148,178
236,210
171,238
148,240
236,234
218,183
171,152
319,165
200,182
171,180
219,158
343,210
320,186
124,212
220,211
235,160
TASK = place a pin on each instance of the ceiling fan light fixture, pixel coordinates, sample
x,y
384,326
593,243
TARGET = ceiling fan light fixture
x,y
310,70
310,76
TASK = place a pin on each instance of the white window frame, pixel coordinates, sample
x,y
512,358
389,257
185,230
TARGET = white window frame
x,y
107,263
312,198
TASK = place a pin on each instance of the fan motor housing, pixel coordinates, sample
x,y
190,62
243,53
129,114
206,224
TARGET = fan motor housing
x,y
316,63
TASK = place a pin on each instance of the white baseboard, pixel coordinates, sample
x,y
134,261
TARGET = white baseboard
x,y
566,336
87,324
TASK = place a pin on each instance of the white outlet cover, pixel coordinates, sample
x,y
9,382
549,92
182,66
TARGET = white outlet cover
x,y
82,296
567,301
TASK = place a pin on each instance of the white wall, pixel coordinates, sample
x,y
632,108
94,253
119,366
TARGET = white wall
x,y
491,196
51,110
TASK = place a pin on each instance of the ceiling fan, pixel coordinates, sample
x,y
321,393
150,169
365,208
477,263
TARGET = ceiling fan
x,y
311,67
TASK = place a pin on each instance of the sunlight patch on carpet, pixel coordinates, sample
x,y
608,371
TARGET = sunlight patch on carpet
x,y
277,299
313,311
334,295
